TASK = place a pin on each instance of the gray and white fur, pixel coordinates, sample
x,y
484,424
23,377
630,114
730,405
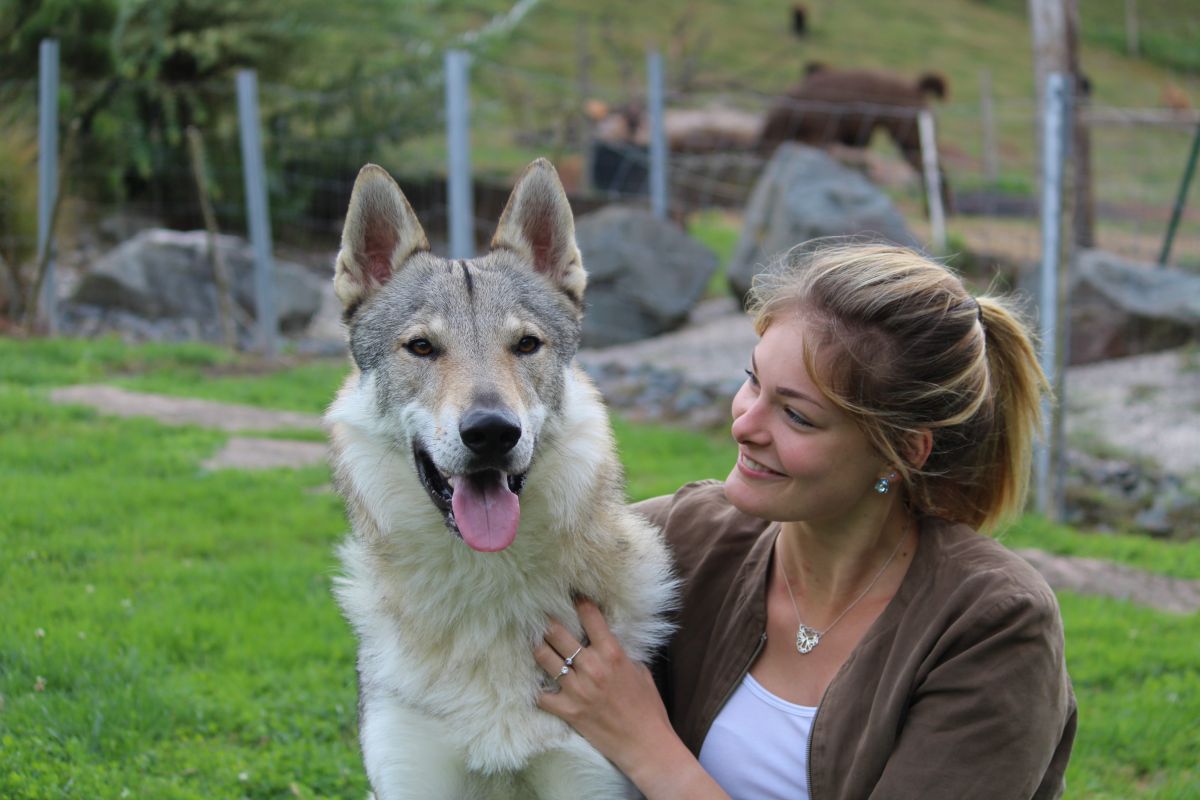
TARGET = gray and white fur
x,y
479,474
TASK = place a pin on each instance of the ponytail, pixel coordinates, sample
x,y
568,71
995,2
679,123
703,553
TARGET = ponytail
x,y
1017,386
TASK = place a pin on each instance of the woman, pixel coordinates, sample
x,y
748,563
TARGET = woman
x,y
845,631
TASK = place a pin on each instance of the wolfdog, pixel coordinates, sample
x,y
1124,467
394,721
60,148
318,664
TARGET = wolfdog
x,y
479,474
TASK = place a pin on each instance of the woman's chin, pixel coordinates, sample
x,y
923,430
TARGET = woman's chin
x,y
742,495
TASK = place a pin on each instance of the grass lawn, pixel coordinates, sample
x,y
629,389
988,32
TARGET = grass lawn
x,y
169,633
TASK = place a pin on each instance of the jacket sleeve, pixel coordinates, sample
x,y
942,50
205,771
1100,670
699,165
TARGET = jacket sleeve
x,y
995,716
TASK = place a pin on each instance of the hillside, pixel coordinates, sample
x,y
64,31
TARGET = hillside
x,y
528,93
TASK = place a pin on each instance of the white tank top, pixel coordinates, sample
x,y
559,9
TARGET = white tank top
x,y
757,747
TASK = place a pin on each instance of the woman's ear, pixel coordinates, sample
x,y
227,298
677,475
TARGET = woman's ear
x,y
919,446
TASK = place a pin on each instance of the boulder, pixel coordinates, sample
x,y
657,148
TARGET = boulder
x,y
165,274
644,274
804,194
1121,307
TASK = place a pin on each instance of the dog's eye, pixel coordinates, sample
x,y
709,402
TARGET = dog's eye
x,y
421,348
528,345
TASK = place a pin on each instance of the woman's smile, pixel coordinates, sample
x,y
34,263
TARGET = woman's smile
x,y
755,469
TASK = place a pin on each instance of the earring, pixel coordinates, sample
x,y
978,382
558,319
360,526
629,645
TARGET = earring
x,y
885,483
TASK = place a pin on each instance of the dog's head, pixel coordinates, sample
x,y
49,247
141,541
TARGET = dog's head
x,y
464,359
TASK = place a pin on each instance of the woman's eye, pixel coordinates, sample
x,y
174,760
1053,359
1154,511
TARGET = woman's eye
x,y
528,345
421,348
750,377
796,418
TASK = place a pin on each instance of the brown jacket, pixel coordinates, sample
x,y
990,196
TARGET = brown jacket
x,y
958,690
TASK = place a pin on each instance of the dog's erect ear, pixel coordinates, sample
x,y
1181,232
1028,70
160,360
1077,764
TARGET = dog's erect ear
x,y
381,232
538,226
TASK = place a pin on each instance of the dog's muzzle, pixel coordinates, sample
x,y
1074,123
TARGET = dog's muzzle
x,y
482,506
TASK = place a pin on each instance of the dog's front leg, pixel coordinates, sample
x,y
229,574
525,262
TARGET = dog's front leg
x,y
407,754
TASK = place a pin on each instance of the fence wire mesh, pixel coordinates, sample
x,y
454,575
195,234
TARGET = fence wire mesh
x,y
130,167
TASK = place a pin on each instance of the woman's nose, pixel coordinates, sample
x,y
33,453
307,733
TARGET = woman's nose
x,y
747,416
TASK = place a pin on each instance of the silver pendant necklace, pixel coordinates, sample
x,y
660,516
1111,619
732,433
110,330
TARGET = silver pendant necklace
x,y
807,637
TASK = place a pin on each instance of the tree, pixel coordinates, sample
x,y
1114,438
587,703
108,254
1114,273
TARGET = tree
x,y
137,73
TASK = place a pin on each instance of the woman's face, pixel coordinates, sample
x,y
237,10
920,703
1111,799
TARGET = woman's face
x,y
799,457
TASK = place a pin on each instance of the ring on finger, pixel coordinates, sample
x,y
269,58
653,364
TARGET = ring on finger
x,y
569,661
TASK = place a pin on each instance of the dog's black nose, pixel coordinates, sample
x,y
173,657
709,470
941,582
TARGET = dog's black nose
x,y
489,432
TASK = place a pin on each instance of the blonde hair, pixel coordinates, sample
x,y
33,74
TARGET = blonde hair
x,y
894,340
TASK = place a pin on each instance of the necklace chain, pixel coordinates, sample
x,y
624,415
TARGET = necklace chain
x,y
808,638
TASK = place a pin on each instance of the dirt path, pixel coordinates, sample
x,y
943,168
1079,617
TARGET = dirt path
x,y
240,452
1080,575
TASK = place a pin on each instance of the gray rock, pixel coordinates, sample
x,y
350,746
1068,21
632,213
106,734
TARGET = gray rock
x,y
804,194
1121,307
644,274
1115,493
164,274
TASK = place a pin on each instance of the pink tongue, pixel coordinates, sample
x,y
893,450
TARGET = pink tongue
x,y
486,511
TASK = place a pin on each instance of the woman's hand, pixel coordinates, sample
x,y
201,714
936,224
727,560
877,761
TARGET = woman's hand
x,y
612,702
607,697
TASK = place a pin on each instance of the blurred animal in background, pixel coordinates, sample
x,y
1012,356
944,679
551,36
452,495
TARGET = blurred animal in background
x,y
846,106
688,130
1175,98
621,139
799,21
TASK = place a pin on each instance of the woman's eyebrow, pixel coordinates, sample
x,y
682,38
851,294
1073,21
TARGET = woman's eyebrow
x,y
784,391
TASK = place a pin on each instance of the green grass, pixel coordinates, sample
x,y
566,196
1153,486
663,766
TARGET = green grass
x,y
169,632
57,362
166,631
1136,675
1167,28
718,232
1180,559
659,460
306,386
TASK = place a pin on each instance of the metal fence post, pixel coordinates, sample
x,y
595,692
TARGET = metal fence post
x,y
458,179
987,120
655,100
1050,456
47,177
1180,200
933,179
254,176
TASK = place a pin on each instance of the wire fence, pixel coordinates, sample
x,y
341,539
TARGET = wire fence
x,y
599,138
